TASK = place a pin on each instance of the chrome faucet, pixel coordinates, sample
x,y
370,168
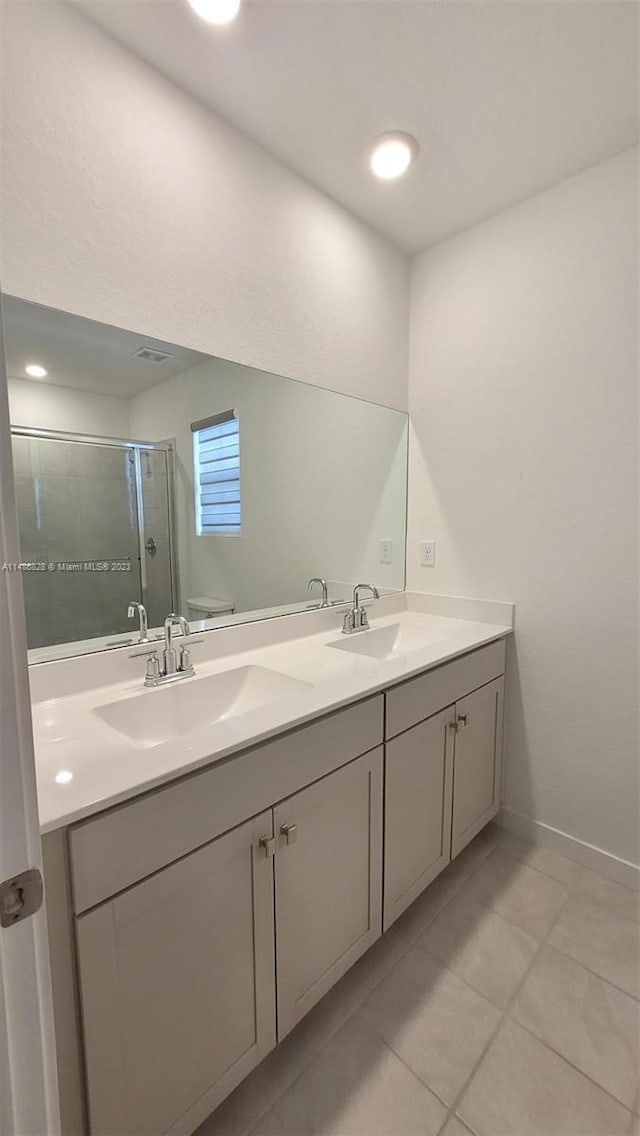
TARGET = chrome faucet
x,y
325,590
175,664
169,655
357,619
140,610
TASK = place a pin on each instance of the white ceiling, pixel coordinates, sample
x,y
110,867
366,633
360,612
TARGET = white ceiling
x,y
505,97
85,355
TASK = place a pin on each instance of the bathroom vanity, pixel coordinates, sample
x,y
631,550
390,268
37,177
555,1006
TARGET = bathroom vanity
x,y
194,923
224,838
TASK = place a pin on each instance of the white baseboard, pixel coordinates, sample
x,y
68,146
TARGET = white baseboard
x,y
587,855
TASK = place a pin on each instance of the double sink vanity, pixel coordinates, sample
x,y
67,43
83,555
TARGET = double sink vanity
x,y
221,849
233,809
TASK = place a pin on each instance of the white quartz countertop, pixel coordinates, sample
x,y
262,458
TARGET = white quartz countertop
x,y
83,765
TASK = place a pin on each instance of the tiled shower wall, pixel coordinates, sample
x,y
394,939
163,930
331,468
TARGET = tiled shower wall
x,y
77,505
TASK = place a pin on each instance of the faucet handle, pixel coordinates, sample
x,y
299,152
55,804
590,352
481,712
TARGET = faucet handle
x,y
185,654
153,666
144,649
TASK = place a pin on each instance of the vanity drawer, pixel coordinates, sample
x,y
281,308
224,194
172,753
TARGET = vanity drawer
x,y
112,851
413,701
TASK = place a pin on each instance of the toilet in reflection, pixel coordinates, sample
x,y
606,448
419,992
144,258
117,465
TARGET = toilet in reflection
x,y
208,607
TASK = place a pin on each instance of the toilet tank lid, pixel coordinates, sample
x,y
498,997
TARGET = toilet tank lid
x,y
209,603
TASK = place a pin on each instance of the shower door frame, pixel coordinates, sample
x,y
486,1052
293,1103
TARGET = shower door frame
x,y
168,447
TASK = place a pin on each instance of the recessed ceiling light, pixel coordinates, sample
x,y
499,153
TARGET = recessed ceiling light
x,y
64,777
392,154
35,370
216,11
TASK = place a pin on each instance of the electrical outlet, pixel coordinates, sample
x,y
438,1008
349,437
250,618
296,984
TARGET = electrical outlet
x,y
427,553
385,551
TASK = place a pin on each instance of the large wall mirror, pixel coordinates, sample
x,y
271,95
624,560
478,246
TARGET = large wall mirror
x,y
147,473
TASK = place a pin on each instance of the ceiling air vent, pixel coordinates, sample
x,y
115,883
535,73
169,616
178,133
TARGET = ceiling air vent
x,y
151,355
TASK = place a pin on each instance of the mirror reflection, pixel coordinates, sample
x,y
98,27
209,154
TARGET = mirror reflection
x,y
151,478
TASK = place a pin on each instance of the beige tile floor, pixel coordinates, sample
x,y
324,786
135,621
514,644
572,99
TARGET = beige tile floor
x,y
502,1003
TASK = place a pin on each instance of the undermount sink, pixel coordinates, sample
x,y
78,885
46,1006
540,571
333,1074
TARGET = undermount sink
x,y
385,642
156,716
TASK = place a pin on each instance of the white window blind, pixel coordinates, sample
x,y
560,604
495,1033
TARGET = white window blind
x,y
216,458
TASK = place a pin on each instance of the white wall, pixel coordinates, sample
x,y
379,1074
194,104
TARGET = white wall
x,y
524,469
125,201
323,479
59,408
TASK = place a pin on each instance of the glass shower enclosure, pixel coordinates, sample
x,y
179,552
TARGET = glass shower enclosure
x,y
95,517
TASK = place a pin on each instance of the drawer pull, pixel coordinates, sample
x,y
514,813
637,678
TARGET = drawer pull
x,y
290,832
268,843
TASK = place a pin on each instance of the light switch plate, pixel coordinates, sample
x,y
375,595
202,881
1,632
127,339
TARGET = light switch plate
x,y
385,551
427,553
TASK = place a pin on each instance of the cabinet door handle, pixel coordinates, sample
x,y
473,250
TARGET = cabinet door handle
x,y
268,843
463,718
454,727
290,832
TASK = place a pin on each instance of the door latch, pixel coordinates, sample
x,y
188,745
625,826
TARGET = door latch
x,y
20,896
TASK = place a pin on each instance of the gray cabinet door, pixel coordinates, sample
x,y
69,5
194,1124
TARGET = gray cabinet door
x,y
418,774
328,883
477,767
177,987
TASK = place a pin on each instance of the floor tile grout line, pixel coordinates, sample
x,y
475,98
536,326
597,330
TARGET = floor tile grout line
x,y
608,880
541,871
575,863
508,1013
505,1015
424,1083
462,884
593,973
518,926
568,1061
372,1030
317,1052
571,890
415,1075
590,970
572,895
455,1116
410,942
